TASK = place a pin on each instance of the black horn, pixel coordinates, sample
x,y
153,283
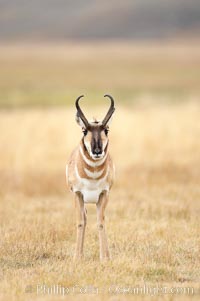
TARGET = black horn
x,y
80,112
110,111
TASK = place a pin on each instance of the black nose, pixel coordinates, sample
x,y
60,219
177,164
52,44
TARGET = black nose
x,y
97,151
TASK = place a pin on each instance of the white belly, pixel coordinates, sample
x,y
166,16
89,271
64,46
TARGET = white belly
x,y
91,196
91,189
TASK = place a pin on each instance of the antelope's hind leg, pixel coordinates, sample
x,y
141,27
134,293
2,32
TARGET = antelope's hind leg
x,y
101,206
81,219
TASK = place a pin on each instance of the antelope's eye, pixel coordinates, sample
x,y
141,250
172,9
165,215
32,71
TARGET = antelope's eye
x,y
106,132
85,132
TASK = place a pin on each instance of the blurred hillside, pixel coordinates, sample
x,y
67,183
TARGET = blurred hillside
x,y
93,19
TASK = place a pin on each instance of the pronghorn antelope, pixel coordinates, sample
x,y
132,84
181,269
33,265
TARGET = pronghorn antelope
x,y
90,174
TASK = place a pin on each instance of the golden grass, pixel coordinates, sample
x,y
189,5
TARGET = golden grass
x,y
152,218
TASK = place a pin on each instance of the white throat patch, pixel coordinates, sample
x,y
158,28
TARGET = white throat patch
x,y
93,175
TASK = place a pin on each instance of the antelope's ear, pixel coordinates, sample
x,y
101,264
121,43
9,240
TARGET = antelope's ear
x,y
79,121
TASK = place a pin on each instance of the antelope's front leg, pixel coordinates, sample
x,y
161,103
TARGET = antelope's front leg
x,y
101,206
81,224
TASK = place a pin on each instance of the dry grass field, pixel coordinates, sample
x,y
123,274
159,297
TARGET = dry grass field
x,y
152,218
55,74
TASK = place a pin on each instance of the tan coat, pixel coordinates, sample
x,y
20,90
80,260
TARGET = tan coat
x,y
88,176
